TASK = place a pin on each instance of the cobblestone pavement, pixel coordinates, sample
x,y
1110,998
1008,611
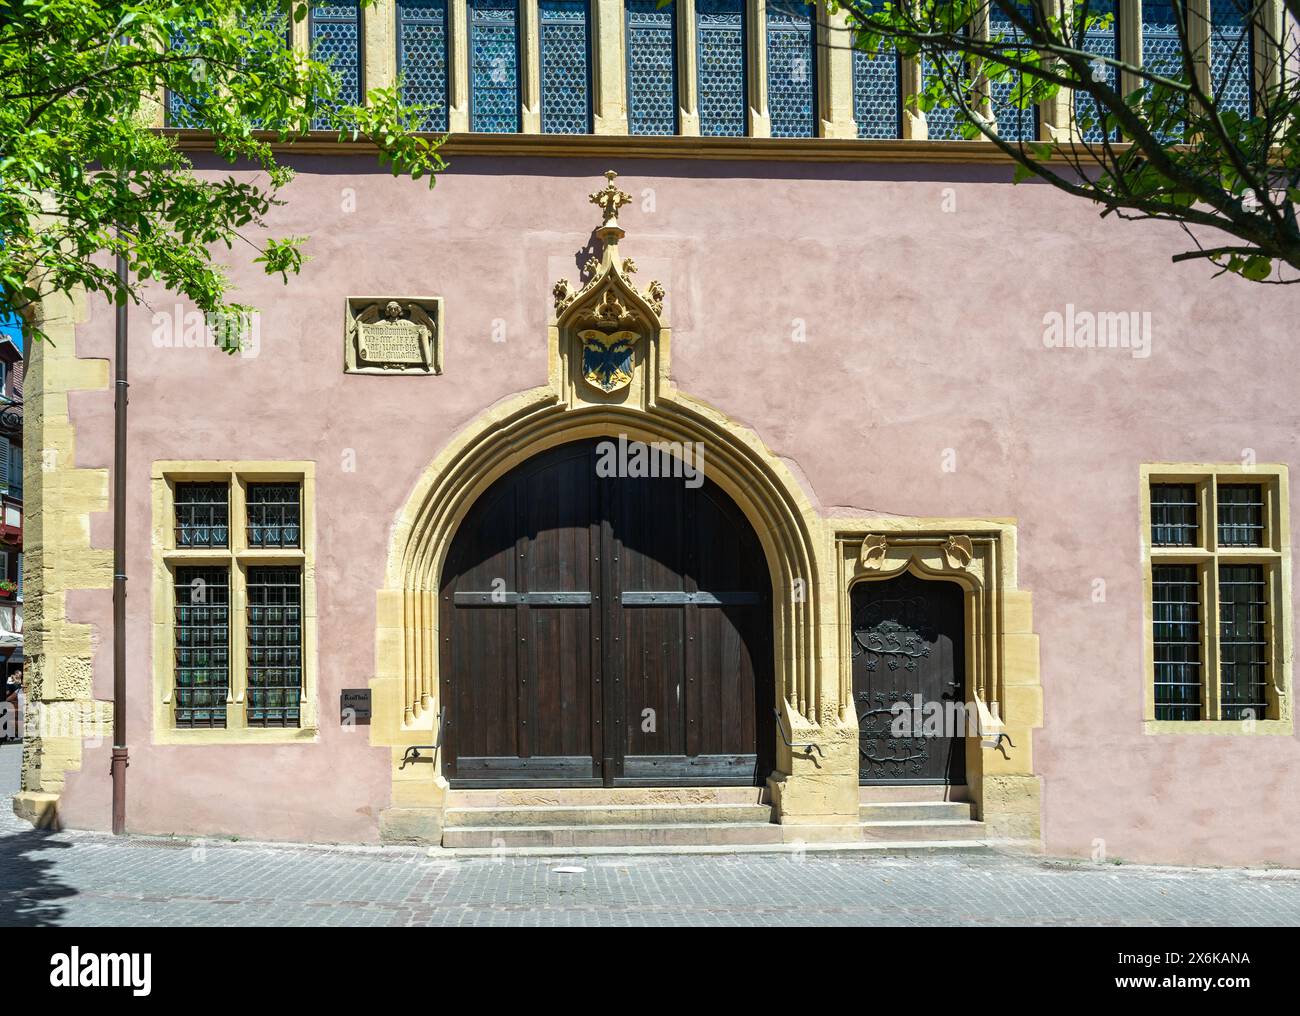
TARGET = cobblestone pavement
x,y
88,880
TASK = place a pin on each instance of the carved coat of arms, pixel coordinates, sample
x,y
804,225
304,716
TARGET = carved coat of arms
x,y
607,358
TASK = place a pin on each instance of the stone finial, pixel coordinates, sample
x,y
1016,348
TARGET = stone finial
x,y
610,199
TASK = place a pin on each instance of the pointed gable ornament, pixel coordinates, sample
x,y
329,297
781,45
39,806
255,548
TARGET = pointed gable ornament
x,y
608,316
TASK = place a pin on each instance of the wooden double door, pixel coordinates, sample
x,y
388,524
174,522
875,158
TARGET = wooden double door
x,y
605,630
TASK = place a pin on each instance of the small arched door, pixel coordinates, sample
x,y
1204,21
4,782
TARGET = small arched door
x,y
605,630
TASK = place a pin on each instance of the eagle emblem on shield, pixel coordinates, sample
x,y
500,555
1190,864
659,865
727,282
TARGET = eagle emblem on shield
x,y
607,358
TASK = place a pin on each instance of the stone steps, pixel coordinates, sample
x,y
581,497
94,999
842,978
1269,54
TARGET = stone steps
x,y
605,815
914,811
939,829
668,834
882,848
559,796
694,818
600,817
905,794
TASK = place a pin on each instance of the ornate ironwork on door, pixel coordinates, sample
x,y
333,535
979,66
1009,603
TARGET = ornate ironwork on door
x,y
908,680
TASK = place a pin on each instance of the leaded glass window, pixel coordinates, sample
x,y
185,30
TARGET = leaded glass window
x,y
274,515
1217,547
422,59
565,55
184,111
1176,612
274,647
1243,642
202,515
720,55
1241,515
269,16
651,67
494,66
1102,41
1174,515
791,73
877,97
1230,55
1013,122
943,123
201,636
335,31
1162,53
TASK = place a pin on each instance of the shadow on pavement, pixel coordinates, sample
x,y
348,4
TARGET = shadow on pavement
x,y
30,891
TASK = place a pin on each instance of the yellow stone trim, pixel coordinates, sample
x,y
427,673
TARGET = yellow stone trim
x,y
458,72
835,76
238,557
1275,556
608,58
379,44
60,499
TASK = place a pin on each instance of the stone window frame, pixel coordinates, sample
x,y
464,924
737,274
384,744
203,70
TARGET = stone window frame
x,y
1207,555
238,557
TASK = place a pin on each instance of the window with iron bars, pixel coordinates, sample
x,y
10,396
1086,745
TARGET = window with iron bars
x,y
274,646
274,515
1217,581
237,638
202,515
202,646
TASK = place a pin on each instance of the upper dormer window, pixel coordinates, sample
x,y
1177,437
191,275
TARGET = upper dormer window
x,y
566,66
494,66
720,49
791,70
651,67
422,58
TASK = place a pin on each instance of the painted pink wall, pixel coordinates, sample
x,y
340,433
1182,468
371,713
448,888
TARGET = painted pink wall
x,y
923,333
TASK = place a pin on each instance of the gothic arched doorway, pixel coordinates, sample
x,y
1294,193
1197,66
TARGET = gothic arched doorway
x,y
605,629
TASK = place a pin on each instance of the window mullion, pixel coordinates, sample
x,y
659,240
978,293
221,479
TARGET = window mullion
x,y
1273,652
760,119
458,73
530,60
378,51
1210,684
236,716
607,47
688,115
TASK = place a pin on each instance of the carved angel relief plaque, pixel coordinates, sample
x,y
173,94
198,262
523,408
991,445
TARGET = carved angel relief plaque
x,y
394,336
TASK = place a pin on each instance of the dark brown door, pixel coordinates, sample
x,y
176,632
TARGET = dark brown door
x,y
909,670
605,630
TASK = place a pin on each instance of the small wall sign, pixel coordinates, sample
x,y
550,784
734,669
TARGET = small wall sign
x,y
393,335
354,706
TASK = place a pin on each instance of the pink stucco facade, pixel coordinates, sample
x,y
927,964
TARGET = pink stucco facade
x,y
875,325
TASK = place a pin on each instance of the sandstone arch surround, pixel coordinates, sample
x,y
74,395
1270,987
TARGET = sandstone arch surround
x,y
406,685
